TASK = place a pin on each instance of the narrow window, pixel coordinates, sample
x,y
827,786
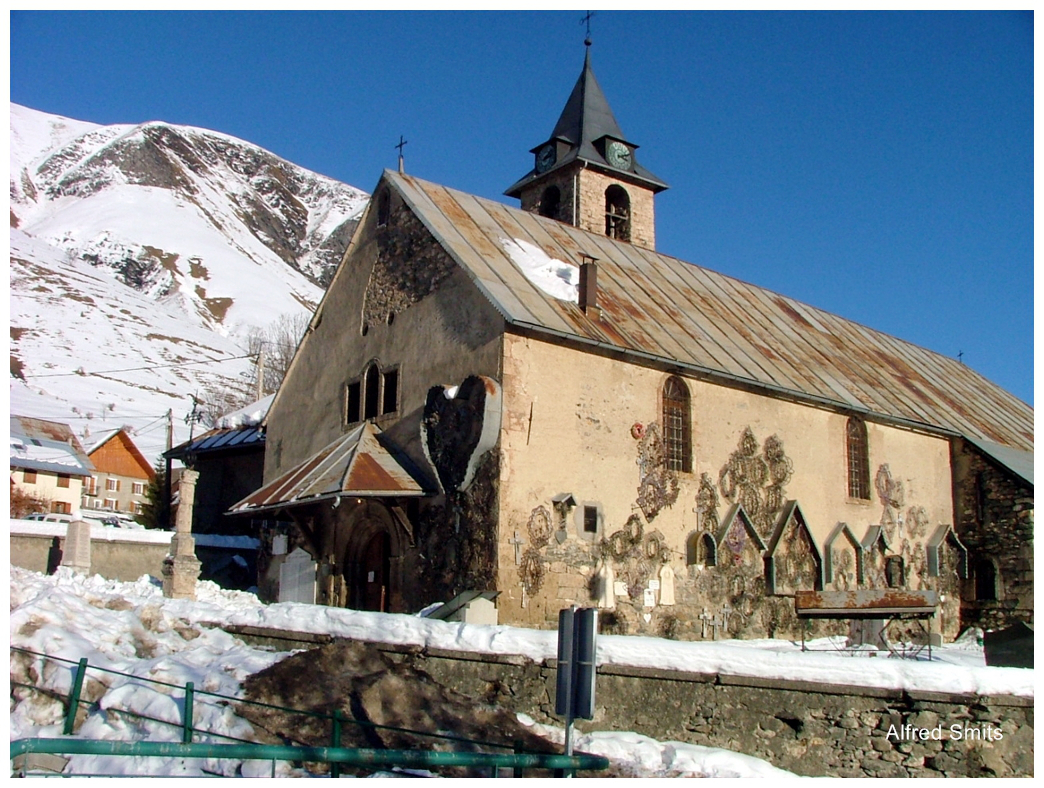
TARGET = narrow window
x,y
677,428
985,580
373,386
29,477
591,519
353,406
383,209
139,488
858,452
617,213
61,507
390,399
63,480
550,201
110,485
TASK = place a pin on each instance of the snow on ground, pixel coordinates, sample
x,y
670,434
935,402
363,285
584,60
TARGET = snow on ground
x,y
133,629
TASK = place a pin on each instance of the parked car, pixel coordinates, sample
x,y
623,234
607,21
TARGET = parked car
x,y
49,517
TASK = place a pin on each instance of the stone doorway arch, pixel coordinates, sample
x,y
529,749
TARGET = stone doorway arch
x,y
372,564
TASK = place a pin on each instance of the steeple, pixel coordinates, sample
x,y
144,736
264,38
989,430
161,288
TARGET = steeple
x,y
575,169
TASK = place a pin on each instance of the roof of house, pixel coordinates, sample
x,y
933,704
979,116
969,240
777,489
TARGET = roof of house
x,y
241,429
661,310
48,446
105,464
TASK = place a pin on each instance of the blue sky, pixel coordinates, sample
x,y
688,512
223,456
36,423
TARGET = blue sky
x,y
876,165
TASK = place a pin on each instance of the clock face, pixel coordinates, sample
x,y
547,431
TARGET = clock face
x,y
545,158
618,155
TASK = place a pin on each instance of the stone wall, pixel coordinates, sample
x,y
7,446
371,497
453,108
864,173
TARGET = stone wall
x,y
994,520
129,560
807,728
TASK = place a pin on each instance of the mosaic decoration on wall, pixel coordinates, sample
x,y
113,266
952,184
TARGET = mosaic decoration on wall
x,y
756,480
707,505
531,567
658,486
892,496
638,553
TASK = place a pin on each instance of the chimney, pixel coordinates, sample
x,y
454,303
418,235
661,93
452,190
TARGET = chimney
x,y
588,295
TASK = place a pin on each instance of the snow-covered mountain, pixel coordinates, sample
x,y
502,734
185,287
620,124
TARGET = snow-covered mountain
x,y
141,259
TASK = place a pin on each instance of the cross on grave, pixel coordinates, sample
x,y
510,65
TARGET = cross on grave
x,y
716,623
517,541
725,610
705,617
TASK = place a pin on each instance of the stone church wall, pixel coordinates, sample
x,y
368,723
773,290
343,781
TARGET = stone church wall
x,y
586,426
995,522
398,298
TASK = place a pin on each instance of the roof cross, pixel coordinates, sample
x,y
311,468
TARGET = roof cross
x,y
400,146
586,20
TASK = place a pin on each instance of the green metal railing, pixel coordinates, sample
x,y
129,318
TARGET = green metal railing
x,y
412,759
335,755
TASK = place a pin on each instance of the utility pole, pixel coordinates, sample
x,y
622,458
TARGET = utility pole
x,y
167,468
260,374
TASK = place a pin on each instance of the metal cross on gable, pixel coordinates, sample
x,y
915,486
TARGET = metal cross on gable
x,y
400,146
517,541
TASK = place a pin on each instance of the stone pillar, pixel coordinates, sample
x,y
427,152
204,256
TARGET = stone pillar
x,y
181,567
77,551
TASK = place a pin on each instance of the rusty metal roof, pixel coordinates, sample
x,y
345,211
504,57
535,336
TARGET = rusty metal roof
x,y
358,464
662,310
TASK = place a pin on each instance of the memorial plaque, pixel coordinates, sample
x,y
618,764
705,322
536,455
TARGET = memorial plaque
x,y
77,551
297,578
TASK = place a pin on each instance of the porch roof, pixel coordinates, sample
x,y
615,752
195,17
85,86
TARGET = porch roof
x,y
359,465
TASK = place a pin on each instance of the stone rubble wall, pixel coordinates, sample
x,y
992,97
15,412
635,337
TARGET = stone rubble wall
x,y
807,728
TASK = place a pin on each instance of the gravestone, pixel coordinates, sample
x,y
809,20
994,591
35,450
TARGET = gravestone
x,y
77,552
297,578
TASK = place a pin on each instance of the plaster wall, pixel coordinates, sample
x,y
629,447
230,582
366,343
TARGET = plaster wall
x,y
46,488
567,428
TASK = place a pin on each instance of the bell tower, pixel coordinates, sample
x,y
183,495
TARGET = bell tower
x,y
587,174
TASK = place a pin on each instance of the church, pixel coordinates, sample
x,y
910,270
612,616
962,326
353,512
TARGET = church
x,y
533,403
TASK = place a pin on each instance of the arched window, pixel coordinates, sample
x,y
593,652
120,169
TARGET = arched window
x,y
372,387
858,453
550,201
677,425
895,571
617,213
700,549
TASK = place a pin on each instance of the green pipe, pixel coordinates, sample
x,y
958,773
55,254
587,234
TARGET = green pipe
x,y
279,752
186,734
335,741
74,697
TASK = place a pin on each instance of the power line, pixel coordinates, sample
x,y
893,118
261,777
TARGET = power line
x,y
137,369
